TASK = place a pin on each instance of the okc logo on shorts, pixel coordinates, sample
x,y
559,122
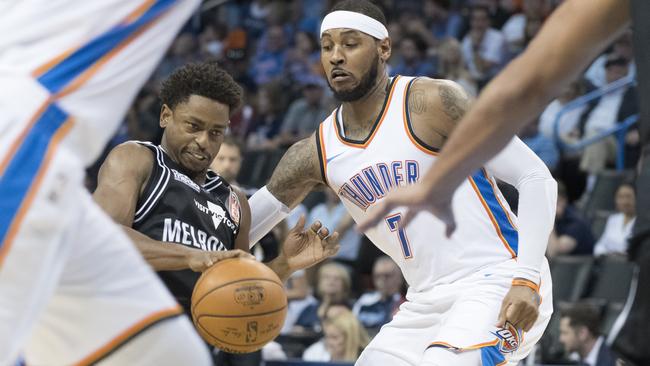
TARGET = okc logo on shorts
x,y
509,338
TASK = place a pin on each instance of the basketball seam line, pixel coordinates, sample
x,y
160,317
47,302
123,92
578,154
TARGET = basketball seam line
x,y
226,284
240,316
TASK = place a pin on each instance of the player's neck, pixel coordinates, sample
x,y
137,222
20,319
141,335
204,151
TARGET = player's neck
x,y
361,113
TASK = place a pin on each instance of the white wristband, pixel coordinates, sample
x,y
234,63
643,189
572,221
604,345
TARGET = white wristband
x,y
266,212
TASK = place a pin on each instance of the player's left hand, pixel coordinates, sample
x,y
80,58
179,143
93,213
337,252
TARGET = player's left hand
x,y
304,248
519,307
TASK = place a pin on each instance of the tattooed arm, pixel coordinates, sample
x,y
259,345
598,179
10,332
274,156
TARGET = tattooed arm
x,y
435,106
297,173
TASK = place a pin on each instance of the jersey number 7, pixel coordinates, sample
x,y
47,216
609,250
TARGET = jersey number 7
x,y
393,222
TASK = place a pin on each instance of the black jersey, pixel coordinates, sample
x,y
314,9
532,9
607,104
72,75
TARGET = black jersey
x,y
175,209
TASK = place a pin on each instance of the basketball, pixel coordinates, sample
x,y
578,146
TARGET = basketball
x,y
239,305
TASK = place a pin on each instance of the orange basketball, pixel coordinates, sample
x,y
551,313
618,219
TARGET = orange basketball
x,y
239,305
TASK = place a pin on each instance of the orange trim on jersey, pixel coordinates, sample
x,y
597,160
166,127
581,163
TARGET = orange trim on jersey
x,y
323,156
133,330
522,282
498,200
468,348
408,130
58,59
16,144
375,129
33,189
492,218
135,14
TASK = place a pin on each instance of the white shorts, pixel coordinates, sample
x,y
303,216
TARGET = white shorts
x,y
459,317
73,289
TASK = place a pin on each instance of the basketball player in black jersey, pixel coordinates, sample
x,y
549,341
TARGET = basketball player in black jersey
x,y
182,217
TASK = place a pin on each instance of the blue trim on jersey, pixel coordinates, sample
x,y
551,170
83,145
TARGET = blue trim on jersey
x,y
25,164
491,356
79,61
487,192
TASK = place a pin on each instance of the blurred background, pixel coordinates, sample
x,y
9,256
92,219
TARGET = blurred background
x,y
587,137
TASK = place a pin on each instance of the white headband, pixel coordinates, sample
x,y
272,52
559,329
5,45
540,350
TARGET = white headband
x,y
353,20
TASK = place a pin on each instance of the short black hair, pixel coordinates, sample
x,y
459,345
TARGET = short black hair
x,y
206,79
583,314
364,7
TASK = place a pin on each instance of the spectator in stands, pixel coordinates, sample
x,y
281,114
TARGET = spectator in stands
x,y
374,309
305,114
497,12
543,146
611,109
333,213
619,225
622,47
580,334
299,297
269,62
211,42
184,50
303,59
228,161
267,118
514,30
333,288
483,47
442,20
571,235
344,339
452,67
569,121
413,49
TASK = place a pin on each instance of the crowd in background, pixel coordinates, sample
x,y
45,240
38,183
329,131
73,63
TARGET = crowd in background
x,y
271,48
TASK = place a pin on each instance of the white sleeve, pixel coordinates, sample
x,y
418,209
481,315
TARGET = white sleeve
x,y
601,245
266,212
516,164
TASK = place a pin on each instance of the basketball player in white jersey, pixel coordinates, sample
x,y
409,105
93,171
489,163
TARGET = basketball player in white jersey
x,y
386,132
73,289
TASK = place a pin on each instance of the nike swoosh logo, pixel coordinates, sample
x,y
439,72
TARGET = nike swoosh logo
x,y
334,157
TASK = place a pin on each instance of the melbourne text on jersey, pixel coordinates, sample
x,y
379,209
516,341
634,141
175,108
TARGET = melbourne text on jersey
x,y
181,232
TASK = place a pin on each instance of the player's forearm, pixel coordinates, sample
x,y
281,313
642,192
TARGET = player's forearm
x,y
159,255
280,266
572,37
537,202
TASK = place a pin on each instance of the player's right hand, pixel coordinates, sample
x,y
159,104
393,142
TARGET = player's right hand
x,y
199,261
417,197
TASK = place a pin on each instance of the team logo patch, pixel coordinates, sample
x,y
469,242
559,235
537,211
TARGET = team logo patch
x,y
509,338
234,208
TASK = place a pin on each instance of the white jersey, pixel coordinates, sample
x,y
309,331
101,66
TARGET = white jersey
x,y
362,172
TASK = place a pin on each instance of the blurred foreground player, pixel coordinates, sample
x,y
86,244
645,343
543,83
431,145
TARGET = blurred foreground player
x,y
73,289
386,131
182,216
571,38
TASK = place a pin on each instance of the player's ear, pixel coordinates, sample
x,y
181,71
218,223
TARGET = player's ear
x,y
165,116
384,47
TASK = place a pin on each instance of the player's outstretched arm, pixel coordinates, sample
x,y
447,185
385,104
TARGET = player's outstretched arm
x,y
121,179
293,178
516,164
302,248
571,38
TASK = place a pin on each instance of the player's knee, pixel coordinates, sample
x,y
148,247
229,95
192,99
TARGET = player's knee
x,y
438,356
